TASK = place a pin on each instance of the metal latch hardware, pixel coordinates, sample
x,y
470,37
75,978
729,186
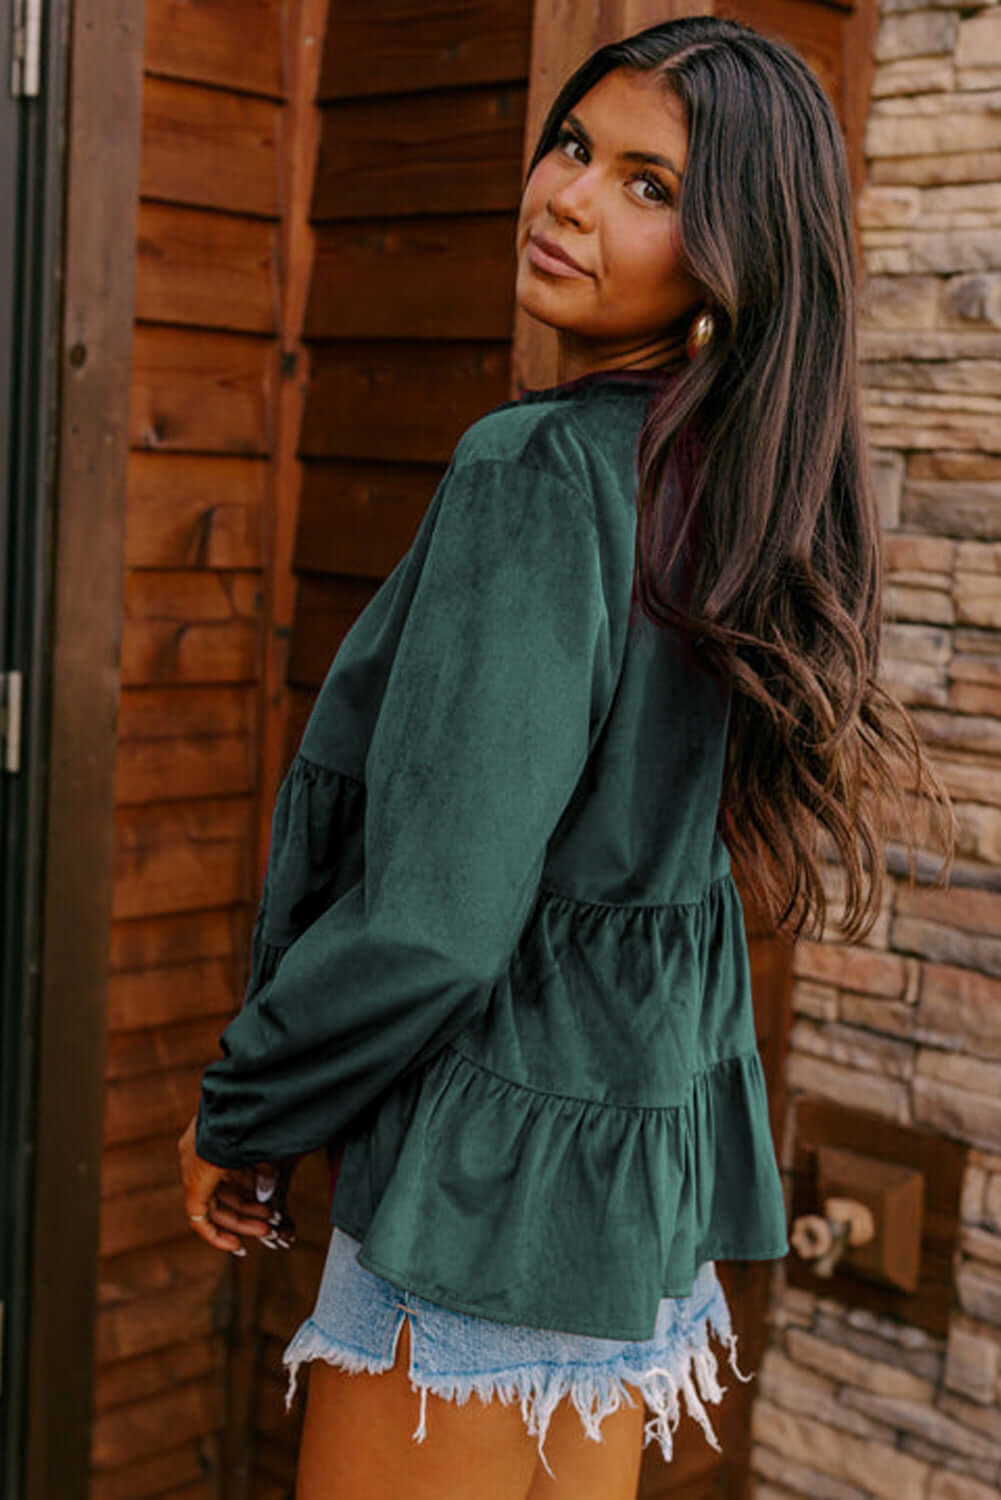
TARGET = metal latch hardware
x,y
10,720
26,49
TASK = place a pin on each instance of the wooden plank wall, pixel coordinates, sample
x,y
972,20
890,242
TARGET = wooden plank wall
x,y
200,492
407,327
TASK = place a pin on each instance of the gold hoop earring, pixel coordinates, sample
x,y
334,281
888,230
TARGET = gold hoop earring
x,y
701,332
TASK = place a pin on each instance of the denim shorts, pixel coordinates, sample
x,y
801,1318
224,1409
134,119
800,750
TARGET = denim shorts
x,y
357,1318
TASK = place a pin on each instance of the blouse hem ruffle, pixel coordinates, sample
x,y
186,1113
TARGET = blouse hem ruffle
x,y
448,1189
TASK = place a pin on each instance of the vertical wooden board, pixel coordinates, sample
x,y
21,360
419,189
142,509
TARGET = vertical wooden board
x,y
194,511
204,269
400,401
209,148
178,856
433,277
360,517
232,44
414,46
83,134
447,152
198,391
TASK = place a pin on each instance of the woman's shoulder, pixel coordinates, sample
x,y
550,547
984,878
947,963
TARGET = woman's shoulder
x,y
525,436
581,434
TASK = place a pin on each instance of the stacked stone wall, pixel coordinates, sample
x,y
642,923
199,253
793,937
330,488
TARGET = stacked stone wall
x,y
908,1023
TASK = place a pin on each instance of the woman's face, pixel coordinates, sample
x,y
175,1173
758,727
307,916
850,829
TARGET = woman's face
x,y
606,193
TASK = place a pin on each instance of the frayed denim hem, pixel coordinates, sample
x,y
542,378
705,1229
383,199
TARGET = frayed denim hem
x,y
596,1390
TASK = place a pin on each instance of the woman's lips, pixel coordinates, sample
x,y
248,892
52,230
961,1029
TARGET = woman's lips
x,y
552,263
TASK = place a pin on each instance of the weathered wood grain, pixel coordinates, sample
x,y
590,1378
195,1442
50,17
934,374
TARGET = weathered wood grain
x,y
204,766
209,148
422,44
146,1477
205,269
150,1105
399,400
189,627
146,715
191,510
234,44
141,1324
358,517
327,609
150,1049
179,856
142,1218
153,998
150,1374
168,938
432,277
446,152
157,1422
137,1274
200,391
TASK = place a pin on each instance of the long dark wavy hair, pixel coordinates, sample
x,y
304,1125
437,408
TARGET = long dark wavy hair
x,y
778,532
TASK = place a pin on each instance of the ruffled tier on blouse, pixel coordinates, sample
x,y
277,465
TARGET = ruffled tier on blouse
x,y
494,1199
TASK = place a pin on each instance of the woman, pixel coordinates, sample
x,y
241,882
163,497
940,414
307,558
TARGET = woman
x,y
499,956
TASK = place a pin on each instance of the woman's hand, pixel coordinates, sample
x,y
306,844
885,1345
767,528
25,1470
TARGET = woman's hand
x,y
225,1202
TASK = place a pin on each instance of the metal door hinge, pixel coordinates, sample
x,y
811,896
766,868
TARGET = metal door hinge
x,y
26,49
10,720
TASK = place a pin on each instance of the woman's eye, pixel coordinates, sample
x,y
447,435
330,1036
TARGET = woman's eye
x,y
567,138
659,194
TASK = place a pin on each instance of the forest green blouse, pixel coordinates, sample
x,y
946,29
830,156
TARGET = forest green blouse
x,y
499,953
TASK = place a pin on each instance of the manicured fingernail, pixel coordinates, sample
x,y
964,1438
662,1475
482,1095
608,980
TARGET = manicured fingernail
x,y
275,1218
264,1188
242,1251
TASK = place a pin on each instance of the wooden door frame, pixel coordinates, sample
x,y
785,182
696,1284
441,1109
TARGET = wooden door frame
x,y
92,353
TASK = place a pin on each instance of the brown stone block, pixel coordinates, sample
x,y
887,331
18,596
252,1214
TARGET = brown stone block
x,y
923,171
851,967
976,698
878,1469
922,33
956,1112
960,1008
919,554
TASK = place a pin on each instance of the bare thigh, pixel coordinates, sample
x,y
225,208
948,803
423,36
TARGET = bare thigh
x,y
357,1444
